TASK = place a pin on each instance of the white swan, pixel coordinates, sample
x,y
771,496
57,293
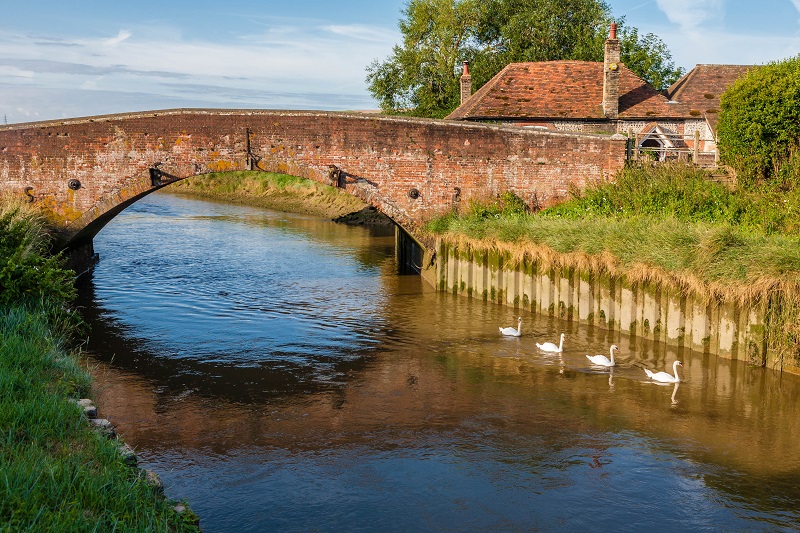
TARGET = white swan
x,y
663,377
550,347
602,360
511,332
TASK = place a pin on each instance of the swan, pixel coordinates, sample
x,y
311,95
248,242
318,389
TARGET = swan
x,y
602,360
550,347
663,377
511,332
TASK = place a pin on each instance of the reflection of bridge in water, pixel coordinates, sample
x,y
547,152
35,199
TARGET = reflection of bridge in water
x,y
84,171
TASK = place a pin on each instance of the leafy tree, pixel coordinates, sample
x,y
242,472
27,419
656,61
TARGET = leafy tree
x,y
759,125
648,57
421,77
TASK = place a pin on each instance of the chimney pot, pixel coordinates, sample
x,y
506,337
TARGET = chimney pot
x,y
612,33
466,83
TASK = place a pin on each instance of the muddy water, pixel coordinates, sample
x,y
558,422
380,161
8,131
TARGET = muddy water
x,y
278,375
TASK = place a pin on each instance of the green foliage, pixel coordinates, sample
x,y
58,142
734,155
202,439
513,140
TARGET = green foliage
x,y
759,125
27,271
57,474
687,194
648,57
506,204
421,77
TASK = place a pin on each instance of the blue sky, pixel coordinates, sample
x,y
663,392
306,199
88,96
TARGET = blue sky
x,y
73,58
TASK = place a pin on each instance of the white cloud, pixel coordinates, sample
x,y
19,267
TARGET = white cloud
x,y
123,35
690,15
364,33
14,72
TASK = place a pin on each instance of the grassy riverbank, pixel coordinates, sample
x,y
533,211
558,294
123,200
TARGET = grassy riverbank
x,y
668,226
57,473
279,192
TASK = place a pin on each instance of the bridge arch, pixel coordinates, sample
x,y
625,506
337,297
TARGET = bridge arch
x,y
84,171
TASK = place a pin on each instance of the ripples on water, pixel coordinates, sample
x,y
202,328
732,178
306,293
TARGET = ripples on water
x,y
277,373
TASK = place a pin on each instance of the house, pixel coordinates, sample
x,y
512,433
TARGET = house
x,y
607,97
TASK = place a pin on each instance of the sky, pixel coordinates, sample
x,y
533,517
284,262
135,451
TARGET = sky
x,y
73,58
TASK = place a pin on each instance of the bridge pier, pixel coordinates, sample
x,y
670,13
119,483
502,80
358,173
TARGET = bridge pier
x,y
81,257
408,252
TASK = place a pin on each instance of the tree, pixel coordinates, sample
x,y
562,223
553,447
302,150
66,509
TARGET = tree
x,y
648,57
759,124
421,76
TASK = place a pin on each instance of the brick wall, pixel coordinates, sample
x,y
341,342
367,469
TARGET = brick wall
x,y
381,159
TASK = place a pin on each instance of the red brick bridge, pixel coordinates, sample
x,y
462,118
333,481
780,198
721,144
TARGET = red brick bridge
x,y
84,171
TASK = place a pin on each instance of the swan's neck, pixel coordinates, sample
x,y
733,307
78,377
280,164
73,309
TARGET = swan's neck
x,y
561,343
612,356
675,370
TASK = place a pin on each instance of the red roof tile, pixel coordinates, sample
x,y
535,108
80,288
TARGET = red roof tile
x,y
562,90
700,89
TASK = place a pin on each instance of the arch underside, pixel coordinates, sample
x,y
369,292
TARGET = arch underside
x,y
83,230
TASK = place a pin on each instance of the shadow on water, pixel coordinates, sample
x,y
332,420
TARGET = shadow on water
x,y
273,374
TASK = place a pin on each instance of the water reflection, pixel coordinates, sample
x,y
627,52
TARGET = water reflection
x,y
246,365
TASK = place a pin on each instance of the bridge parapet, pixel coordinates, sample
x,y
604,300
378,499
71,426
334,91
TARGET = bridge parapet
x,y
84,171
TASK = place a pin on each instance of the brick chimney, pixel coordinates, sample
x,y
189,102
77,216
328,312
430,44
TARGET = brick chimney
x,y
610,74
466,83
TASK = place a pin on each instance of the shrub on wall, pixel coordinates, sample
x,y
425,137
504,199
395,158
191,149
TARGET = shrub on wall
x,y
759,125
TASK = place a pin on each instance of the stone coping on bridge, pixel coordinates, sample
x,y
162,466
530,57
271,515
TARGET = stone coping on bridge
x,y
355,114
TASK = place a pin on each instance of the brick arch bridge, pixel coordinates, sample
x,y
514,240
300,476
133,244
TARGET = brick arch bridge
x,y
82,172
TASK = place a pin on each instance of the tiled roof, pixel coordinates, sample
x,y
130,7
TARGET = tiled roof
x,y
700,89
562,90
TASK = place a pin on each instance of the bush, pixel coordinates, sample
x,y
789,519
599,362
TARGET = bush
x,y
27,271
759,125
687,194
506,204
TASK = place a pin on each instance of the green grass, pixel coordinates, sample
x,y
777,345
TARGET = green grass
x,y
672,218
271,190
687,194
56,473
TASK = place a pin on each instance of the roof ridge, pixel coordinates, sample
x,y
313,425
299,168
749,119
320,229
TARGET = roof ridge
x,y
676,87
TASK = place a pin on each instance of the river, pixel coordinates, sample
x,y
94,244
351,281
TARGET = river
x,y
278,374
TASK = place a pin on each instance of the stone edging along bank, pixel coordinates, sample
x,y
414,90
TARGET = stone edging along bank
x,y
728,330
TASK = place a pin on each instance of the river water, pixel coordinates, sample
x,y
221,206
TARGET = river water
x,y
278,374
